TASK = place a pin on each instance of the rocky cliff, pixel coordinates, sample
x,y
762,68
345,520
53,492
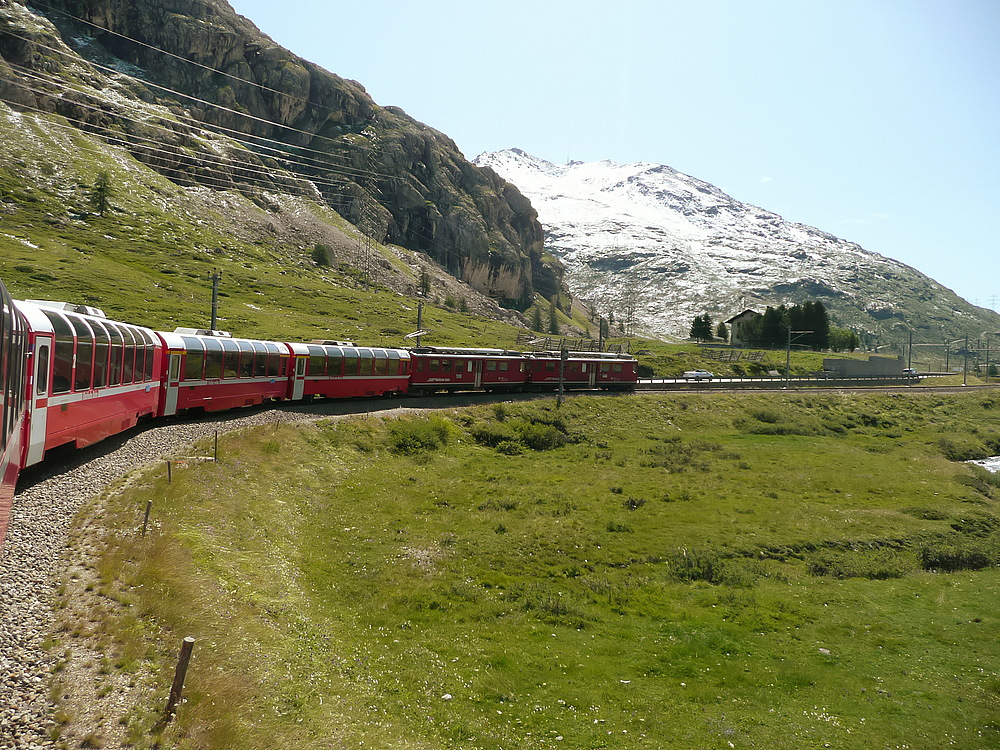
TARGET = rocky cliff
x,y
198,93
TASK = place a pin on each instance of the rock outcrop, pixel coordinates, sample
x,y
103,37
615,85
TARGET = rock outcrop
x,y
175,77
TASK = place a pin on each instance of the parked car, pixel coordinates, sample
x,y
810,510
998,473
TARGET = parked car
x,y
909,372
698,375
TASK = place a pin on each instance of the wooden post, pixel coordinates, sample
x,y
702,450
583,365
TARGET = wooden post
x,y
169,477
216,458
145,521
182,664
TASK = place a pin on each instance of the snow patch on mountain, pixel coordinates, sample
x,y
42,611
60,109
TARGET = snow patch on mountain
x,y
677,247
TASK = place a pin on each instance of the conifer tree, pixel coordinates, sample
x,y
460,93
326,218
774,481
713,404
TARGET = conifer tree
x,y
701,328
101,193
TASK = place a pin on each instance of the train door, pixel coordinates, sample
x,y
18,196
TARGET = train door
x,y
299,385
591,369
478,372
38,402
173,384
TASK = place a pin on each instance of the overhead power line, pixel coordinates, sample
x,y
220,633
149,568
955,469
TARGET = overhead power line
x,y
221,129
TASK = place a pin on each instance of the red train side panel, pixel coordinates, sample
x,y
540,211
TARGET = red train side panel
x,y
583,370
344,371
88,377
449,369
13,355
214,373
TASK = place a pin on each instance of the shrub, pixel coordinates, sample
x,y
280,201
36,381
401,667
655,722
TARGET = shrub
x,y
962,448
878,565
950,557
493,434
697,565
417,435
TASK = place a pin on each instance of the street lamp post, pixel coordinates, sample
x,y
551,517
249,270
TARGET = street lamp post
x,y
788,351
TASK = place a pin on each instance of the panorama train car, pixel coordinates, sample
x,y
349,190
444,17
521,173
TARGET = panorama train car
x,y
215,373
603,370
450,369
343,370
13,359
88,377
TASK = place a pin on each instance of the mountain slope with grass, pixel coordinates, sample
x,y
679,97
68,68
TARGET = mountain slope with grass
x,y
768,570
217,137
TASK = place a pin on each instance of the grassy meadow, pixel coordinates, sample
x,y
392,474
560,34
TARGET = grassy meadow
x,y
681,571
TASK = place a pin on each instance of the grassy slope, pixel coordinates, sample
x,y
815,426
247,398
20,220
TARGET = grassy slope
x,y
670,572
149,259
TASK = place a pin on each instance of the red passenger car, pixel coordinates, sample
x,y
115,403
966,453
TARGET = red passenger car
x,y
442,369
213,372
88,377
13,355
582,370
343,370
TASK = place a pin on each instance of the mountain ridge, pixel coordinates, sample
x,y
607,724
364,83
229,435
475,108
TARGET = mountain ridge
x,y
655,245
236,111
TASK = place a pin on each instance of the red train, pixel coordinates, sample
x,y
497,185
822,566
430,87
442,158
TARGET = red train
x,y
70,376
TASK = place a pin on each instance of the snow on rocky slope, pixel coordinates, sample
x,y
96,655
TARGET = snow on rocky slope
x,y
680,247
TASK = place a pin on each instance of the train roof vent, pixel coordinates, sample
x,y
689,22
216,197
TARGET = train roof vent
x,y
95,312
203,332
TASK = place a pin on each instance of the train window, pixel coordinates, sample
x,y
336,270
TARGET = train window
x,y
350,361
117,354
213,358
504,366
317,360
230,358
62,371
246,359
435,365
194,365
491,366
395,363
273,360
42,370
102,345
605,366
367,362
617,367
381,364
175,368
550,366
147,366
260,359
446,365
83,374
334,362
128,369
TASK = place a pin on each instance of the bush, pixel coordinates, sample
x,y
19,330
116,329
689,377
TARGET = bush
x,y
951,557
962,448
877,565
417,435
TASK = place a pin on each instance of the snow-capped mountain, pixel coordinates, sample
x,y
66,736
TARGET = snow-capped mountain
x,y
676,246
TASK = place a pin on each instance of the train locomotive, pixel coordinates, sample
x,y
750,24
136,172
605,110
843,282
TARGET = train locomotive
x,y
71,376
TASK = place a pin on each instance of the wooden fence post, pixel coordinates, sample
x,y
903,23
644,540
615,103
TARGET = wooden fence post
x,y
145,521
182,664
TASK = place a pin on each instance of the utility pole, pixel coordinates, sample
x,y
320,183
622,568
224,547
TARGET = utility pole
x,y
965,366
563,356
216,278
420,319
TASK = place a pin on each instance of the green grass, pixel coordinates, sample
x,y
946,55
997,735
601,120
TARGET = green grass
x,y
769,570
149,260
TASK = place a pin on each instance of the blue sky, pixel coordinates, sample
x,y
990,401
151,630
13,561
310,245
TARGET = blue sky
x,y
875,120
